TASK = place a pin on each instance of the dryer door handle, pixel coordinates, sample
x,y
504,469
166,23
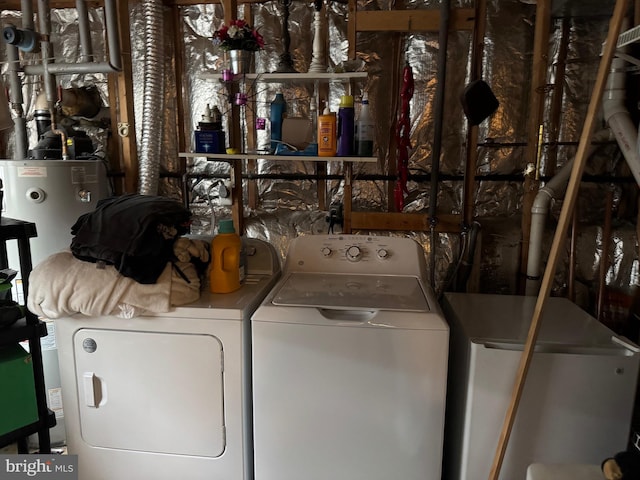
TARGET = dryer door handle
x,y
93,392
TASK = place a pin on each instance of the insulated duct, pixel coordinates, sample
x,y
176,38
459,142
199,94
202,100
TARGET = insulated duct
x,y
153,98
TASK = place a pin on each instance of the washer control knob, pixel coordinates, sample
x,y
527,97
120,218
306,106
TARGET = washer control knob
x,y
383,253
326,251
354,253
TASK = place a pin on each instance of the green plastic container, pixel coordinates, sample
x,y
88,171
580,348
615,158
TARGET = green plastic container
x,y
18,398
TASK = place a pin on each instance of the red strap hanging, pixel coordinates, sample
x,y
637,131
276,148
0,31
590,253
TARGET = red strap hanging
x,y
403,141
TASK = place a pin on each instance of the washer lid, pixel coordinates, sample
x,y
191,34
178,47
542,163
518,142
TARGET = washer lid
x,y
352,292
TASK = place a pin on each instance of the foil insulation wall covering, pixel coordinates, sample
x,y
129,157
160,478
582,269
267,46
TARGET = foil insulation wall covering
x,y
288,206
506,67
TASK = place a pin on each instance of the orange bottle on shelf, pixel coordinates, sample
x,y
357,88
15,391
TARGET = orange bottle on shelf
x,y
224,272
327,143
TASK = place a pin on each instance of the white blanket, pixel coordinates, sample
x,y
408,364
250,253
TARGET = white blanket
x,y
62,285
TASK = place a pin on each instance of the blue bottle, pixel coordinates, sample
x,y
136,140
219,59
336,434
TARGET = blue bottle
x,y
346,127
277,111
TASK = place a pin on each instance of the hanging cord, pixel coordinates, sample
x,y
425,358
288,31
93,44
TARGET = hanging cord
x,y
463,246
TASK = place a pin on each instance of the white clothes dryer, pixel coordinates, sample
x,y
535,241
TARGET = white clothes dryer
x,y
166,396
350,364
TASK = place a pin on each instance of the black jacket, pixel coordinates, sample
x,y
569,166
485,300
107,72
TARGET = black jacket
x,y
133,232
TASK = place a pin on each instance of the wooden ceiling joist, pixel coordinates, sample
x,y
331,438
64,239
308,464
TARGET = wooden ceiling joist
x,y
411,20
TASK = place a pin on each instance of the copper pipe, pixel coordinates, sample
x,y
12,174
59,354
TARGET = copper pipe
x,y
571,290
604,257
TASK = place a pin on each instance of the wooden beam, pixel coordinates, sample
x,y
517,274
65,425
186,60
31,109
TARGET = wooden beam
x,y
536,108
412,20
184,137
121,101
410,222
559,239
352,29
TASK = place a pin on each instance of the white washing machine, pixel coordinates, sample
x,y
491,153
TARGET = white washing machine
x,y
165,396
350,364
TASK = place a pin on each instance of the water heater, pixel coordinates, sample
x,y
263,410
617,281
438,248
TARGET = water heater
x,y
52,194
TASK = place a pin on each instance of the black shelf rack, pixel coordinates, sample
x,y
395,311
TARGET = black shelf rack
x,y
31,329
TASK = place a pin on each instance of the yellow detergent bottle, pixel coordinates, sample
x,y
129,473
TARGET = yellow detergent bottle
x,y
224,273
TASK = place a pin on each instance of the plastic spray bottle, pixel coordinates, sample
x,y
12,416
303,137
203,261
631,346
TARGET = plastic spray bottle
x,y
364,130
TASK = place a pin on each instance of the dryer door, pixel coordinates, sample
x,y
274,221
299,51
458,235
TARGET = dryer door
x,y
151,392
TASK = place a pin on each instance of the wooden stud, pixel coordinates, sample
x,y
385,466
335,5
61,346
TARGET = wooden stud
x,y
412,20
121,101
536,108
409,222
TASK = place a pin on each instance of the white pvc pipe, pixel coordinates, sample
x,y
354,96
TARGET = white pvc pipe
x,y
619,121
618,118
539,211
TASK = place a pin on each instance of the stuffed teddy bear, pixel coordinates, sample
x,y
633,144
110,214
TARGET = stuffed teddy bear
x,y
622,466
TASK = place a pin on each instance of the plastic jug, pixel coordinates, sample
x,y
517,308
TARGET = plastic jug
x,y
226,247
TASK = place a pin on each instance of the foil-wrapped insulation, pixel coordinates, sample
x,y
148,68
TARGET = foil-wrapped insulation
x,y
287,196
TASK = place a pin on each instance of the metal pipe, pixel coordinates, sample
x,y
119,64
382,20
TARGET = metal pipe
x,y
112,33
44,17
69,68
16,99
443,39
114,64
61,132
604,257
86,49
571,289
26,8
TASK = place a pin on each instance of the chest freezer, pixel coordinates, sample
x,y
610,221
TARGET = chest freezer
x,y
578,396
